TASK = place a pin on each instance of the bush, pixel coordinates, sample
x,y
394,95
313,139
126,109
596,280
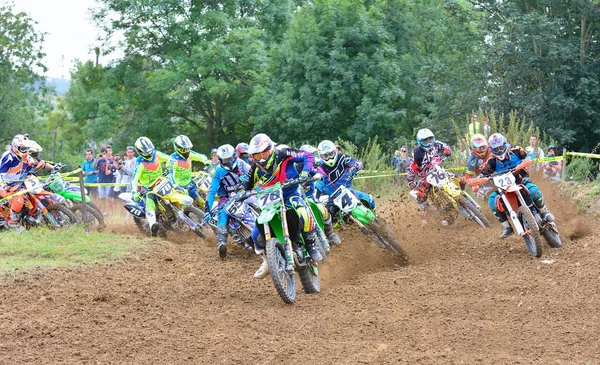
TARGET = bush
x,y
580,169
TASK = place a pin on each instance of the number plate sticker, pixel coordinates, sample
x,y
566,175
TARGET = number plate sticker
x,y
235,208
33,185
437,178
504,181
268,198
346,201
164,188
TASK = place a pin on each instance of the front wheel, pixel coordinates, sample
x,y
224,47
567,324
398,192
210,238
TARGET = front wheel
x,y
93,217
473,211
382,231
197,216
532,237
282,279
63,215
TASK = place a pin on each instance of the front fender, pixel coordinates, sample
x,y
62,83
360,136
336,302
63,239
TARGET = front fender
x,y
181,199
266,215
363,214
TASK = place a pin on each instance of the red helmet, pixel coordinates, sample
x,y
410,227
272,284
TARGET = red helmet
x,y
242,149
479,145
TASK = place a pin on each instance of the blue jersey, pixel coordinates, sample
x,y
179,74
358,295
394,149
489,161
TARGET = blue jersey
x,y
224,182
13,168
337,175
515,157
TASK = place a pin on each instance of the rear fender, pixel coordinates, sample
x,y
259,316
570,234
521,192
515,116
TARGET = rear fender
x,y
135,210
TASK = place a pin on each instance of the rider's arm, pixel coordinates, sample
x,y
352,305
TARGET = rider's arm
x,y
214,188
526,158
351,162
300,156
243,166
443,149
162,157
195,156
138,169
170,166
412,168
471,166
489,167
249,184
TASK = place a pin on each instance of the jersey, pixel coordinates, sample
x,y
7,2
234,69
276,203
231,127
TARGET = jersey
x,y
281,169
337,175
421,160
515,157
181,168
476,164
146,171
13,168
225,182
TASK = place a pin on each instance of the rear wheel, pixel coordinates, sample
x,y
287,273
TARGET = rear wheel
x,y
532,238
473,211
551,235
93,217
283,281
309,277
63,215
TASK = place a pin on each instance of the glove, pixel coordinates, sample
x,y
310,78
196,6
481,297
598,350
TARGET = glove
x,y
475,188
353,171
136,197
304,176
412,185
447,151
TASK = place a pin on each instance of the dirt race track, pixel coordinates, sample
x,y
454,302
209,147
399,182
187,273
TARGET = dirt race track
x,y
466,297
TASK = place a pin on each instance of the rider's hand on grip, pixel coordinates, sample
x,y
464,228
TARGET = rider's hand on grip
x,y
353,171
304,176
136,197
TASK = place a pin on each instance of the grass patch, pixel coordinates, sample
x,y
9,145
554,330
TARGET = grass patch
x,y
42,248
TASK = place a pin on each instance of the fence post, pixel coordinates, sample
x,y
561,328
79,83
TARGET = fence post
x,y
564,167
83,203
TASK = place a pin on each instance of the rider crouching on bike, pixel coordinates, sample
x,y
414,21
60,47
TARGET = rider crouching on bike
x,y
225,182
180,165
427,153
272,164
147,169
310,191
504,158
480,154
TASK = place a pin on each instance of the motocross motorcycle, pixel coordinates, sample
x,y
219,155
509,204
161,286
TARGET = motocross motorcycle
x,y
516,202
202,181
39,207
242,211
57,184
174,209
314,211
285,249
446,194
346,207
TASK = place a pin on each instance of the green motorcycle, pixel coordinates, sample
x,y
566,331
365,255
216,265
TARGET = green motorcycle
x,y
285,249
57,184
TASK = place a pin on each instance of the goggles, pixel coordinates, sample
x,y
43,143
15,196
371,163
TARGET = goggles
x,y
328,156
261,155
184,150
427,141
227,161
244,155
480,149
23,149
498,150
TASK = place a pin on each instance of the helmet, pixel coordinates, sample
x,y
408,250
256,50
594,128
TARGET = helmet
x,y
308,148
144,147
182,145
426,139
261,149
499,146
226,155
328,152
34,149
479,145
242,151
20,145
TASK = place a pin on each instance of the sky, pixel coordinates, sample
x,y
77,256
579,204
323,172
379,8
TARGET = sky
x,y
71,34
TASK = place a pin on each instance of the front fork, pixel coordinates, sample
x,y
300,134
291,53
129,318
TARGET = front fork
x,y
184,217
45,212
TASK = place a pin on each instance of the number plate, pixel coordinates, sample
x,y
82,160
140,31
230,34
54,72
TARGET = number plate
x,y
235,208
437,178
268,198
164,188
204,182
504,181
346,200
33,185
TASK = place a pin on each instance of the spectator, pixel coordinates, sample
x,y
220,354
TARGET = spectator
x,y
465,151
536,151
128,167
552,168
90,173
215,162
476,127
106,170
401,163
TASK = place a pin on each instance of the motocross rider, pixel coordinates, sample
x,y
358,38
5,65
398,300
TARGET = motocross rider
x,y
180,165
147,169
426,154
242,152
480,154
272,164
225,182
34,153
505,157
310,192
14,165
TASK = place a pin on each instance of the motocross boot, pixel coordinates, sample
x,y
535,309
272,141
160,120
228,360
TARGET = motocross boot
x,y
310,241
507,230
13,222
263,270
156,228
544,212
330,233
222,241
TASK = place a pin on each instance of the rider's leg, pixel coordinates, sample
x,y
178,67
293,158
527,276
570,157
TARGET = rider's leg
x,y
365,197
538,199
155,228
222,234
328,225
259,248
507,229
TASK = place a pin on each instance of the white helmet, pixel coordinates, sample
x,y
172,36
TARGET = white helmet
x,y
328,152
425,138
226,154
182,145
34,149
144,147
20,145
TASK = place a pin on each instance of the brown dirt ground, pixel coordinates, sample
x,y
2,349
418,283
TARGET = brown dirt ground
x,y
465,298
